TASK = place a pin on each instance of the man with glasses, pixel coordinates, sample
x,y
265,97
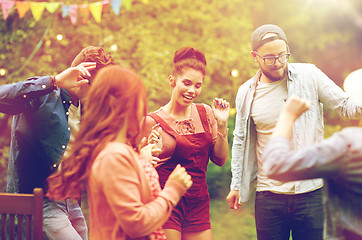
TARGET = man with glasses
x,y
281,208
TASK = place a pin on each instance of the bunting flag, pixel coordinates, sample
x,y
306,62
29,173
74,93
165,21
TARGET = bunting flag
x,y
84,12
6,6
71,10
37,9
73,13
116,6
105,5
22,7
96,10
52,6
65,9
127,4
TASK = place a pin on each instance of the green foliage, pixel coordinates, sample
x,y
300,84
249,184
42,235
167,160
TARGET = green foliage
x,y
145,37
329,130
232,224
323,32
218,178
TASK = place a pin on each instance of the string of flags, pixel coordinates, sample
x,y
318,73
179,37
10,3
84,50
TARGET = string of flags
x,y
72,10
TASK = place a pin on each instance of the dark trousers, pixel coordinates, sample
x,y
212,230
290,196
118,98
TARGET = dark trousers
x,y
348,235
276,215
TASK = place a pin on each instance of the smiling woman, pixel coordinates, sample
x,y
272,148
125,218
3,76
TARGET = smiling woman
x,y
186,86
191,134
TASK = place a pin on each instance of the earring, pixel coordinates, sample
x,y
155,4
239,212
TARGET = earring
x,y
172,81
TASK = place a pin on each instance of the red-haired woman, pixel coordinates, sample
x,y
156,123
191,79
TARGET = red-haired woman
x,y
192,133
124,195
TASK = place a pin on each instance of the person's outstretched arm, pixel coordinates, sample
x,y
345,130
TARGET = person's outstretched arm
x,y
282,163
15,97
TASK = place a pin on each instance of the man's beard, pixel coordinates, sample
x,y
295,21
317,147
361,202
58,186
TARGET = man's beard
x,y
275,78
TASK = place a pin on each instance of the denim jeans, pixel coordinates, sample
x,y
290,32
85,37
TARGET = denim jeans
x,y
63,220
278,214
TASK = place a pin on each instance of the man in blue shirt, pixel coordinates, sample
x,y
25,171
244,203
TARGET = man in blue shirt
x,y
40,134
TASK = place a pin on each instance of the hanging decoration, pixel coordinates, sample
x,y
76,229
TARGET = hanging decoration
x,y
84,12
6,7
52,7
116,5
37,9
72,10
22,7
73,13
96,10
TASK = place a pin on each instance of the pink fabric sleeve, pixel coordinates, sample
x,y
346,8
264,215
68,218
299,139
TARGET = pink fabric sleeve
x,y
128,194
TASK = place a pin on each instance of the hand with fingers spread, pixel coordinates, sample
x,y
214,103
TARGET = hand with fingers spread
x,y
180,176
75,76
221,109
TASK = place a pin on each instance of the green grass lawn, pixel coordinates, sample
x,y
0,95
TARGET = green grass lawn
x,y
232,224
227,224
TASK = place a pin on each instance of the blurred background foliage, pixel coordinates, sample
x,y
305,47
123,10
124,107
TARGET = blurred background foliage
x,y
327,33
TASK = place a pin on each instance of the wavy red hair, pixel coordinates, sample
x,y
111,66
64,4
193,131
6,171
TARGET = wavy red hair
x,y
116,94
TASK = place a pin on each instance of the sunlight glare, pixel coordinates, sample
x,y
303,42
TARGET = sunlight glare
x,y
60,37
353,85
2,72
235,73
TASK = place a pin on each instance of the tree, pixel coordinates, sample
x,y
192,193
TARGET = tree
x,y
143,39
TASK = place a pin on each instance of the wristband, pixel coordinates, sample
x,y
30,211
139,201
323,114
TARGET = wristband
x,y
223,135
53,82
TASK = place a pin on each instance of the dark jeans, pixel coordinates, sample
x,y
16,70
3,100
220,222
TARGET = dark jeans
x,y
348,235
278,214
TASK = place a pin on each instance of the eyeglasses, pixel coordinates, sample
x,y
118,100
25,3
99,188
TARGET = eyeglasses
x,y
270,60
